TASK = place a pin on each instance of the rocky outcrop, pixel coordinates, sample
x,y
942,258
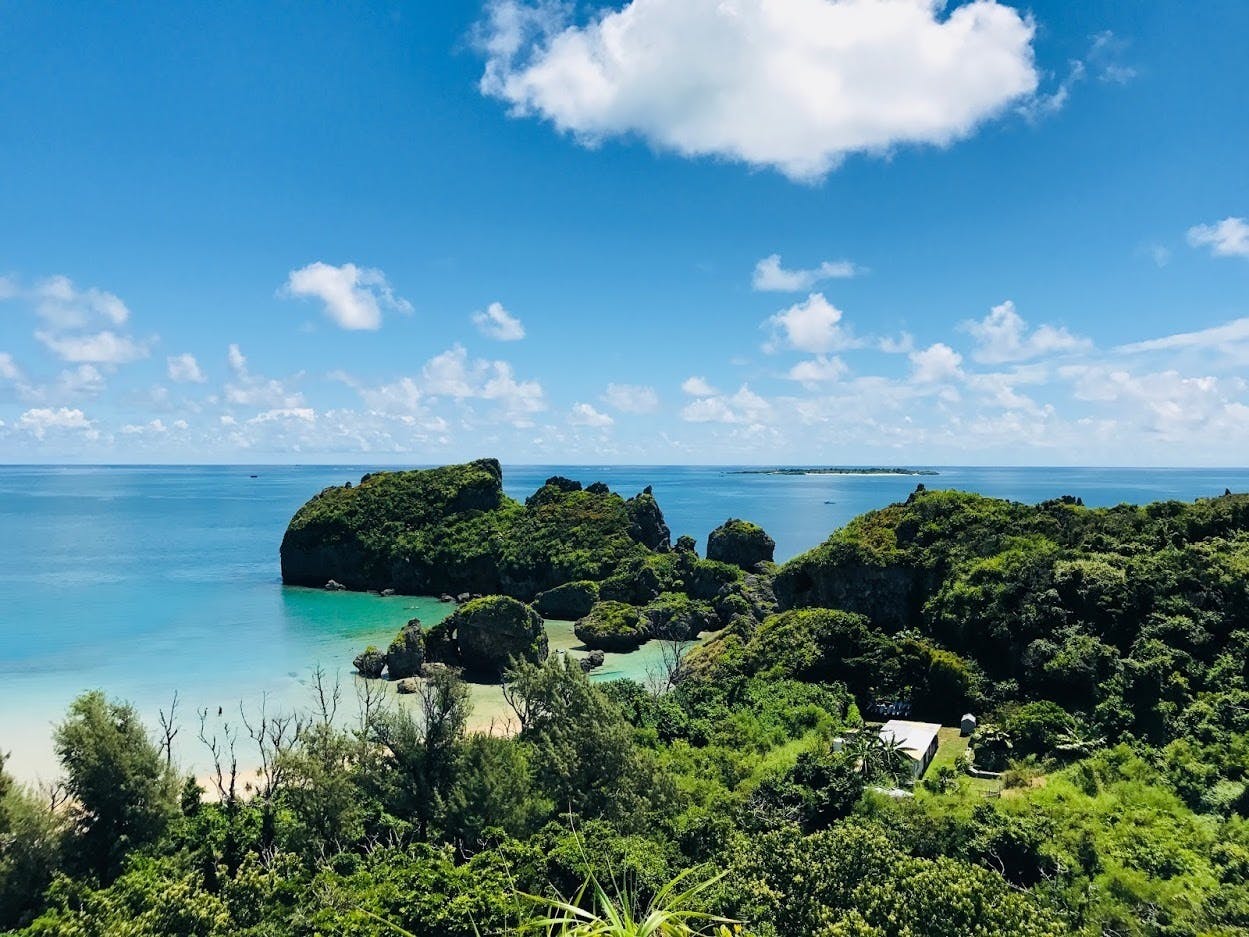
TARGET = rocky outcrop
x,y
613,626
675,616
568,602
592,661
745,604
406,654
451,531
388,531
740,543
370,663
493,631
646,522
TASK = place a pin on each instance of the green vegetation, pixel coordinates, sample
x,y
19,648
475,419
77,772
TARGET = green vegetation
x,y
1105,653
452,529
613,626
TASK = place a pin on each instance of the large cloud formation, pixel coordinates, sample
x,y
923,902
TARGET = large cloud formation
x,y
793,85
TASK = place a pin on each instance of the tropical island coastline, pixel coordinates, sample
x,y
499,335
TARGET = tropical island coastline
x,y
834,471
1037,707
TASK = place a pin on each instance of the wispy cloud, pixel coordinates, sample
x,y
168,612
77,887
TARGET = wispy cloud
x,y
770,276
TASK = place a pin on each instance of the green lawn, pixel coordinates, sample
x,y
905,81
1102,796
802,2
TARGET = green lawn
x,y
950,747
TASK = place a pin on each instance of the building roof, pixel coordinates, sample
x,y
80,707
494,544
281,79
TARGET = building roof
x,y
913,737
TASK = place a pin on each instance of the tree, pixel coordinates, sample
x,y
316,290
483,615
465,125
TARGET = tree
x,y
423,749
584,755
123,794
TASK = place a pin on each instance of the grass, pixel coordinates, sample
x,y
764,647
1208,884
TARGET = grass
x,y
950,748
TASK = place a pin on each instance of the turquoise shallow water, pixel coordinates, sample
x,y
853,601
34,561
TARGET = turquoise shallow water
x,y
143,580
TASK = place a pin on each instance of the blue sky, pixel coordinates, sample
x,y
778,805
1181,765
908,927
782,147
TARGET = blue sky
x,y
663,231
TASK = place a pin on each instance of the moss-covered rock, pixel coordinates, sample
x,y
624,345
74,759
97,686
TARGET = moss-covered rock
x,y
568,602
643,578
452,530
426,531
745,603
406,654
646,522
740,543
675,616
708,577
613,626
492,631
370,662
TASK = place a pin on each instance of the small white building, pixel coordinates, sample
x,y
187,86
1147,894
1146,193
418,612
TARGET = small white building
x,y
968,724
917,739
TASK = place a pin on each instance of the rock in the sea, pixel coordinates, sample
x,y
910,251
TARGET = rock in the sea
x,y
406,654
568,602
612,626
592,661
453,531
370,663
464,597
492,631
334,586
741,543
646,522
408,685
446,598
387,593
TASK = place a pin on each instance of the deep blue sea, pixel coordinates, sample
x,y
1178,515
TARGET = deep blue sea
x,y
143,580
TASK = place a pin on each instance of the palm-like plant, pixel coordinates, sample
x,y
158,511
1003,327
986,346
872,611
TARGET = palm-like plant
x,y
671,913
880,759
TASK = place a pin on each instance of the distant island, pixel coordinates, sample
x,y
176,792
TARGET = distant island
x,y
834,471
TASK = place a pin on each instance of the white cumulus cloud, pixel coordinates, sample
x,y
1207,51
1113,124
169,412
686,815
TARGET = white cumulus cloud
x,y
935,364
792,85
1226,238
583,414
744,406
497,323
184,369
354,297
813,325
453,374
41,420
770,276
697,386
1003,336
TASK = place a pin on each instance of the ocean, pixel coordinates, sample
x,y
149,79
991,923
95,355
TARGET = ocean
x,y
146,580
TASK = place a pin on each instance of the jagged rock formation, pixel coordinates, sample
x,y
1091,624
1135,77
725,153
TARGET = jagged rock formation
x,y
568,602
452,531
740,543
491,632
406,655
